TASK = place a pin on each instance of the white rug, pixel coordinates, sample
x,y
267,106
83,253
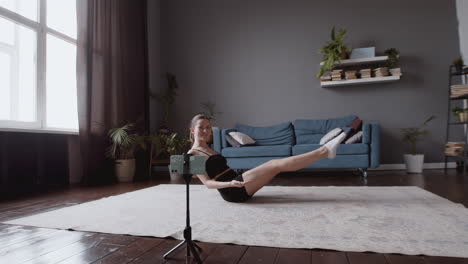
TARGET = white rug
x,y
406,220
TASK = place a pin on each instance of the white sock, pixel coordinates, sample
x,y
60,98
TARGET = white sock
x,y
333,144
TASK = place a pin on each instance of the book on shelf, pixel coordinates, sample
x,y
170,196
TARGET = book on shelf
x,y
395,72
350,75
365,73
382,71
459,86
454,148
458,90
336,75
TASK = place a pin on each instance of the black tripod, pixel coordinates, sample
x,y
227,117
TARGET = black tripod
x,y
191,246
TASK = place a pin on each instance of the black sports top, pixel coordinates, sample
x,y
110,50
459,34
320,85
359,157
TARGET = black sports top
x,y
217,168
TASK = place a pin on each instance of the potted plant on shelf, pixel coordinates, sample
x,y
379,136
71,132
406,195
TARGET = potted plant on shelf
x,y
461,113
458,63
414,162
393,60
335,50
125,141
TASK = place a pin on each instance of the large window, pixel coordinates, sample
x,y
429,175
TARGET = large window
x,y
38,65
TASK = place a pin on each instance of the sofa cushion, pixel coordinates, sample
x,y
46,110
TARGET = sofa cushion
x,y
281,134
257,151
312,130
343,149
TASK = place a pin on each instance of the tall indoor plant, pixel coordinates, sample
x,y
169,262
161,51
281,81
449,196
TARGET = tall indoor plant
x,y
125,142
167,99
414,162
333,51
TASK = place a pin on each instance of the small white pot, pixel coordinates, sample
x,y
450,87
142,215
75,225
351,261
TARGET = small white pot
x,y
414,163
463,117
125,170
174,176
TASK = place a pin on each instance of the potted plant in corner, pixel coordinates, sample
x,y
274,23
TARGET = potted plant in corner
x,y
124,144
334,51
461,114
414,162
167,99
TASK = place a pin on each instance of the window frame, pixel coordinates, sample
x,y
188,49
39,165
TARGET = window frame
x,y
42,30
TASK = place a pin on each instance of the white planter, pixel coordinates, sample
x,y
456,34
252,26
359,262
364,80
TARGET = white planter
x,y
414,163
174,176
463,117
125,170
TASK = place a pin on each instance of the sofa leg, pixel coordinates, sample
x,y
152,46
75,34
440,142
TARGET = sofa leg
x,y
363,172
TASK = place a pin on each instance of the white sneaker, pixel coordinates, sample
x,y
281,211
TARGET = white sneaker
x,y
333,144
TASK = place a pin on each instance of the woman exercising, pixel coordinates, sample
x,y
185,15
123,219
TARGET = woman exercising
x,y
240,188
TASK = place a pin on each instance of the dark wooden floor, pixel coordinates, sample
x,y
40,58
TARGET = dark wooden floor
x,y
22,244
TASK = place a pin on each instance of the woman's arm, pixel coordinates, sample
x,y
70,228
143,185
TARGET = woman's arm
x,y
211,184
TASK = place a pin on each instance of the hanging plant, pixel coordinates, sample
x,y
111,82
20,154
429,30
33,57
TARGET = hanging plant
x,y
334,51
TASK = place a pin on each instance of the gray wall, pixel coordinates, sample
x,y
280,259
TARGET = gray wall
x,y
257,59
462,11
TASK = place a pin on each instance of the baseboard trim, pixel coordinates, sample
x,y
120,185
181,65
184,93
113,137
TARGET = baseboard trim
x,y
401,166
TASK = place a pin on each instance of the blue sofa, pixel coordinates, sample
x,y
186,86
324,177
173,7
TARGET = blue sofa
x,y
287,139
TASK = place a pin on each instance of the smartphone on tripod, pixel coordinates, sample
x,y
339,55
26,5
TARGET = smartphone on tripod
x,y
196,164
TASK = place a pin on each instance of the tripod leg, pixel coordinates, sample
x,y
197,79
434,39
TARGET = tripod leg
x,y
194,251
198,247
188,248
173,249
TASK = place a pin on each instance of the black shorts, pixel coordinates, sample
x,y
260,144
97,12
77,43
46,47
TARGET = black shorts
x,y
235,194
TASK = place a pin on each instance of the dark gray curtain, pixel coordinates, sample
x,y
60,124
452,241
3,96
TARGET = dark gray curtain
x,y
112,77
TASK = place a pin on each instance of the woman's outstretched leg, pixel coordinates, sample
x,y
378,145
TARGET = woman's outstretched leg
x,y
259,176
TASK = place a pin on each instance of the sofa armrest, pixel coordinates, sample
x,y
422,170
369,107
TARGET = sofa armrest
x,y
371,136
224,143
216,139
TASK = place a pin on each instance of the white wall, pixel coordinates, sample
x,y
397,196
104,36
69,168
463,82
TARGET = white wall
x,y
462,13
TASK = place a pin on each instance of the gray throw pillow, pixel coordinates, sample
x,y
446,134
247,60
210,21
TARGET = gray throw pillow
x,y
232,141
242,138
